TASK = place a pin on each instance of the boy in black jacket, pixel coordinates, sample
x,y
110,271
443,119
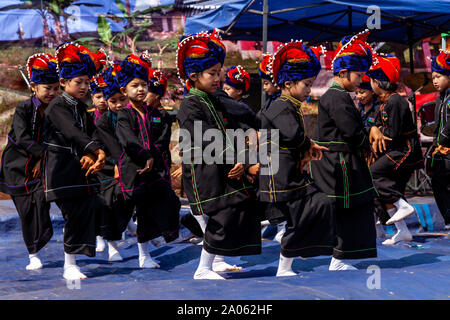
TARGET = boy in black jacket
x,y
21,160
73,154
289,190
440,67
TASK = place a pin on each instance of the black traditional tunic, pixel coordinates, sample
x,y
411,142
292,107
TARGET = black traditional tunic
x,y
441,163
23,150
392,170
167,121
70,136
369,117
242,114
344,175
157,205
233,227
269,100
445,136
292,194
117,211
94,114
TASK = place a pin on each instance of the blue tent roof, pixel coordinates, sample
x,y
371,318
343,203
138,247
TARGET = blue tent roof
x,y
84,17
401,21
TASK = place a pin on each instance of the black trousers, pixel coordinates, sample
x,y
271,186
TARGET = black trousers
x,y
441,185
34,213
309,227
355,232
390,183
115,215
158,213
81,215
234,230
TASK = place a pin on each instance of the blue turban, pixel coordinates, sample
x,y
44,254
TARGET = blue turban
x,y
353,53
75,60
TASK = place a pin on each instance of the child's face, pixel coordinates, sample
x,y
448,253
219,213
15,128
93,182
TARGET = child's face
x,y
152,99
208,80
99,102
45,92
77,87
268,87
364,96
233,93
301,89
136,90
440,81
351,79
117,102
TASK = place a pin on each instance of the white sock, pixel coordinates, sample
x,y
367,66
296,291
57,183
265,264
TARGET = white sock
x,y
337,264
71,270
219,265
404,209
113,252
281,229
132,227
157,242
402,234
202,221
100,244
391,211
145,260
35,262
285,267
265,223
204,269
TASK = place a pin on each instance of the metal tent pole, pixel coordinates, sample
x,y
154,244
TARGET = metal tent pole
x,y
264,39
411,65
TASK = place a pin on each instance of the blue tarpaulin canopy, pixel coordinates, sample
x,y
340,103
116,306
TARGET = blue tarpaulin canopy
x,y
16,17
402,21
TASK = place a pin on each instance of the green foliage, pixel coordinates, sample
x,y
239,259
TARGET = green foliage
x,y
104,29
122,8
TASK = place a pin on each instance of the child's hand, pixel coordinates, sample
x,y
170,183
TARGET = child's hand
x,y
378,140
87,161
315,151
236,172
177,173
99,164
305,160
254,169
148,167
441,149
369,156
36,169
116,172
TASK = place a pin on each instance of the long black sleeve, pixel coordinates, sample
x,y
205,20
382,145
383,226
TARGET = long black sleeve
x,y
106,135
128,139
444,139
62,118
348,121
23,133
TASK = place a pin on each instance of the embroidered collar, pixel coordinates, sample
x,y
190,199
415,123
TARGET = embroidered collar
x,y
69,99
338,85
199,93
36,102
294,101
